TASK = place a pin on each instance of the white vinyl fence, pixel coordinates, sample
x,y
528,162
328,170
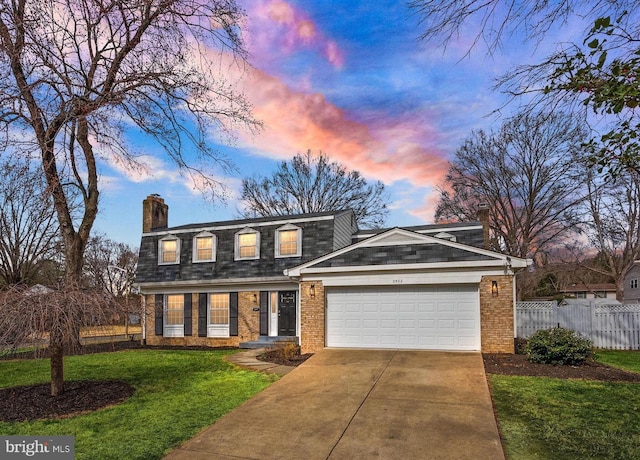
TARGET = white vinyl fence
x,y
608,326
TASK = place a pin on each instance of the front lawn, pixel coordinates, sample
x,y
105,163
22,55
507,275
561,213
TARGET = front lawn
x,y
549,418
178,393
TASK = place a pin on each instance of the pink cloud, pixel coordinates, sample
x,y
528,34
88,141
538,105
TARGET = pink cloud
x,y
277,28
427,211
295,122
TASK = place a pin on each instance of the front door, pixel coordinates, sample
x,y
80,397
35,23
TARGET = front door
x,y
287,313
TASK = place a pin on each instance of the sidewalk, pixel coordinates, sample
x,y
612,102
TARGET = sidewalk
x,y
248,359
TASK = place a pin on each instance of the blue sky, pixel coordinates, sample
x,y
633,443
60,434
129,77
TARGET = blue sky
x,y
350,79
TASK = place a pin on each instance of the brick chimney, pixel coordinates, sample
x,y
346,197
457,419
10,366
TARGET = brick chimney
x,y
483,217
155,214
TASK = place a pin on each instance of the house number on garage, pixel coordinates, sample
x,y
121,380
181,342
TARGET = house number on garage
x,y
397,281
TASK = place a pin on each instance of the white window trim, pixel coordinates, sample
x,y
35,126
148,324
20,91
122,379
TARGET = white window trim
x,y
172,330
298,241
214,247
169,238
237,244
218,330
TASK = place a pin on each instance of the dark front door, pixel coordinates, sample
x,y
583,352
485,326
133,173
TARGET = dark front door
x,y
287,313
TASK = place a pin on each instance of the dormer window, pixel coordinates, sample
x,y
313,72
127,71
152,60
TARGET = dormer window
x,y
247,244
169,250
288,241
204,247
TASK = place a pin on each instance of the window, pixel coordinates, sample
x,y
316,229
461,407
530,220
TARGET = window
x,y
174,310
581,295
247,244
288,241
219,309
204,247
169,250
218,315
600,295
634,284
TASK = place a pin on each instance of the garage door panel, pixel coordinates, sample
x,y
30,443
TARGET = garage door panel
x,y
423,317
446,324
407,323
466,324
446,306
445,341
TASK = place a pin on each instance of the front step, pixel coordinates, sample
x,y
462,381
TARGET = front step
x,y
268,342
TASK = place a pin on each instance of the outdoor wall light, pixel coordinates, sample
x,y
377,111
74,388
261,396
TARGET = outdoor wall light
x,y
494,288
255,298
312,291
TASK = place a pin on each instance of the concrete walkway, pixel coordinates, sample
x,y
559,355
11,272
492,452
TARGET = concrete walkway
x,y
362,404
248,359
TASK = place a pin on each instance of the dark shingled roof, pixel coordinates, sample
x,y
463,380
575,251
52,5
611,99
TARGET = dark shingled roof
x,y
391,255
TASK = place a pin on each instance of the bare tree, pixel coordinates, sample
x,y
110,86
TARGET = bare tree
x,y
28,316
28,225
499,20
75,74
313,183
613,227
110,265
597,75
528,173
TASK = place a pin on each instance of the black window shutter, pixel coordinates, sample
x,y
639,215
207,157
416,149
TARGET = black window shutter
x,y
202,315
233,314
264,313
188,326
159,313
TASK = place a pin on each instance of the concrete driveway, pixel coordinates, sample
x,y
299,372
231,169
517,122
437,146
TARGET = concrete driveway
x,y
362,404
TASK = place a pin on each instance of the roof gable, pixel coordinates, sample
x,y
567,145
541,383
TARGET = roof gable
x,y
404,247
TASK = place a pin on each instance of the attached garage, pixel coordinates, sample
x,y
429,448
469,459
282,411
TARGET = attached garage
x,y
408,290
444,317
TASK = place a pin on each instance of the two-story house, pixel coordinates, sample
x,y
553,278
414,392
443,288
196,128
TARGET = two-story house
x,y
632,284
318,278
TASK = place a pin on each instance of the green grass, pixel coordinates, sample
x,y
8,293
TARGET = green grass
x,y
627,360
178,393
545,418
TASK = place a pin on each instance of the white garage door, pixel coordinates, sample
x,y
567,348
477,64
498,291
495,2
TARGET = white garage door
x,y
417,317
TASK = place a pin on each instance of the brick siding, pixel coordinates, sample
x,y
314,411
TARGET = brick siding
x,y
496,315
312,317
248,325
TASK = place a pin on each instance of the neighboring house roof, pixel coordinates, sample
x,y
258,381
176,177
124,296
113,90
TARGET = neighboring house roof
x,y
39,289
607,287
400,248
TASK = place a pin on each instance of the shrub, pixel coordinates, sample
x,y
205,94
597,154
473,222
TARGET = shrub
x,y
290,351
520,346
558,346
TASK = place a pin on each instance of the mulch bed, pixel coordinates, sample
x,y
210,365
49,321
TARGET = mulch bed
x,y
34,402
505,364
277,356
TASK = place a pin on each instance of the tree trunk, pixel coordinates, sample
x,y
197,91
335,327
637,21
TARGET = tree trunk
x,y
620,289
57,363
74,241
